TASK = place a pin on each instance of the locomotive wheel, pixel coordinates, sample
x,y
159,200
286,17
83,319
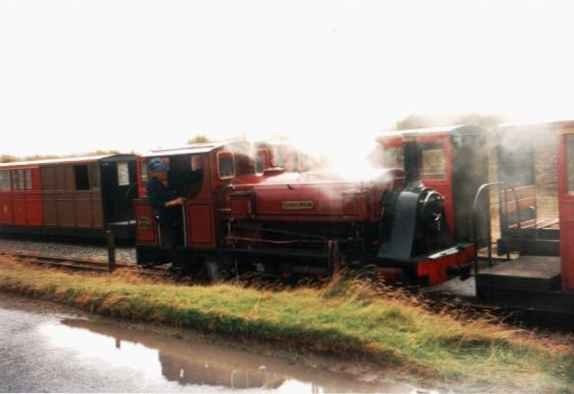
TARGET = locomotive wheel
x,y
217,270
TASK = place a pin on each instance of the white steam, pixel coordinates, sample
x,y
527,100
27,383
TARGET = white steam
x,y
348,157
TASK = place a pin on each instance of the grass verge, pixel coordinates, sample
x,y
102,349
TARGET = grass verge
x,y
342,318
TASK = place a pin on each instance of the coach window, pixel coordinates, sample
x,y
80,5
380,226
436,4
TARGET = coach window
x,y
28,179
82,177
123,173
94,176
5,181
24,180
433,161
570,162
225,165
16,180
516,164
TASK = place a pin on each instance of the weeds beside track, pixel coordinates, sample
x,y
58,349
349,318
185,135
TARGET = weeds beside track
x,y
343,317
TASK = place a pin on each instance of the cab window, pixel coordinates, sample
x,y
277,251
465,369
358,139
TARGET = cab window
x,y
433,161
280,154
262,160
259,164
393,157
196,162
244,164
225,165
291,162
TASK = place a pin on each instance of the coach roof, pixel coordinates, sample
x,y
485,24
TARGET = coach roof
x,y
450,130
66,160
561,123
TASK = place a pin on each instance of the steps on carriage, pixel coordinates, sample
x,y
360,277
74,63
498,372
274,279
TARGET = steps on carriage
x,y
529,283
529,273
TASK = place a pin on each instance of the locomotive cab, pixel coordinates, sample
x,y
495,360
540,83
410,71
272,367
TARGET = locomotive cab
x,y
452,160
218,165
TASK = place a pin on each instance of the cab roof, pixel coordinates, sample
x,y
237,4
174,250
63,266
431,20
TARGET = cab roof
x,y
191,149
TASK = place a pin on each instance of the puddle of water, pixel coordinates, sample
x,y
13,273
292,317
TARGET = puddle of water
x,y
166,361
44,347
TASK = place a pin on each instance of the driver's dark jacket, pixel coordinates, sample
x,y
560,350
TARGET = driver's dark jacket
x,y
159,195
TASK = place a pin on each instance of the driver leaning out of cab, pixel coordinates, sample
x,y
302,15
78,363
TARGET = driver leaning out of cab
x,y
166,201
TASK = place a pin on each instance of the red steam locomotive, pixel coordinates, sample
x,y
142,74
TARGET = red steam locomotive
x,y
246,214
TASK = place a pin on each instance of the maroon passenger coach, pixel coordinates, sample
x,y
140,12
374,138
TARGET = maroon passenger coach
x,y
73,197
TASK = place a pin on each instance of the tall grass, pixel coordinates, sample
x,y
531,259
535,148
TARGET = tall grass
x,y
345,317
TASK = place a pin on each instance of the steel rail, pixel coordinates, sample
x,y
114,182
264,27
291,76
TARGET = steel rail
x,y
79,264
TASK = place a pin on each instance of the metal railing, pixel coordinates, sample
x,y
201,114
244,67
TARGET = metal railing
x,y
475,218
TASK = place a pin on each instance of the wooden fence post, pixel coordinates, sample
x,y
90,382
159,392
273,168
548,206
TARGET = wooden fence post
x,y
111,250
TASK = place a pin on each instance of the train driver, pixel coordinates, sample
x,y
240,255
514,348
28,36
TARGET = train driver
x,y
166,203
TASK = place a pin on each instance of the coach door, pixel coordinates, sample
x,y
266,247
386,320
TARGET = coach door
x,y
566,205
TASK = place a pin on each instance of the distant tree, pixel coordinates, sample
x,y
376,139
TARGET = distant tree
x,y
99,152
486,121
38,157
7,158
199,139
414,121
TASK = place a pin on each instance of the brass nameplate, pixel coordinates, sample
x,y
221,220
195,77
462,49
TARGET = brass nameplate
x,y
297,205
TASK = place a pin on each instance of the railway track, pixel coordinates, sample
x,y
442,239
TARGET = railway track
x,y
77,264
439,301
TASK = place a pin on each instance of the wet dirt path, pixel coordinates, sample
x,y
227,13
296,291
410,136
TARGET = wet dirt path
x,y
47,348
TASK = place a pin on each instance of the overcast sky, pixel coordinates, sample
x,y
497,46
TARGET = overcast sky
x,y
82,75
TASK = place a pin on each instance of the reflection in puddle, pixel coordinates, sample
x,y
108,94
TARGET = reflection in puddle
x,y
160,360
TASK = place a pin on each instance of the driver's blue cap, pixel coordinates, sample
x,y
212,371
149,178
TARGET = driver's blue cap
x,y
157,165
